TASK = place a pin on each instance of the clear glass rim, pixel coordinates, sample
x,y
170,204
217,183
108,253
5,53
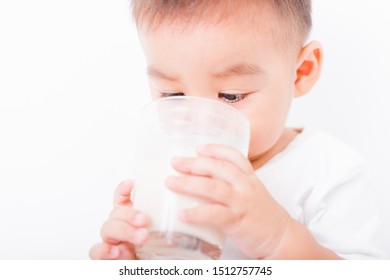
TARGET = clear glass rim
x,y
149,107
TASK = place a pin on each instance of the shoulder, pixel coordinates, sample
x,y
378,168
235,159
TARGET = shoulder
x,y
330,154
322,182
315,170
323,143
316,152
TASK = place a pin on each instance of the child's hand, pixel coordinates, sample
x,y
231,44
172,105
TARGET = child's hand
x,y
124,228
240,204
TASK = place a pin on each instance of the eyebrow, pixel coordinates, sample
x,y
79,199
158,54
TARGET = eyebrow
x,y
234,70
239,69
155,73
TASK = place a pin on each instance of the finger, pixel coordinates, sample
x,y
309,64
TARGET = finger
x,y
105,251
122,193
205,166
223,152
203,187
130,216
116,231
210,214
126,251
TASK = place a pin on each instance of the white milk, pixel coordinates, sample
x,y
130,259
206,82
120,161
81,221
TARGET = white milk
x,y
163,204
151,196
171,127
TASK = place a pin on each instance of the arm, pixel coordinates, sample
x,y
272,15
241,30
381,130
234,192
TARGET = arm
x,y
298,243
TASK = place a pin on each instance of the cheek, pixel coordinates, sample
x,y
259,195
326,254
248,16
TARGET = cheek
x,y
263,137
268,119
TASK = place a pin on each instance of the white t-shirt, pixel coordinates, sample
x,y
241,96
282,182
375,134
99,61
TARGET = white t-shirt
x,y
322,183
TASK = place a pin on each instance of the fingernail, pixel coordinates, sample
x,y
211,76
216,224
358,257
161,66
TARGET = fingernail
x,y
114,252
183,216
139,236
201,148
170,182
137,219
125,182
176,160
206,149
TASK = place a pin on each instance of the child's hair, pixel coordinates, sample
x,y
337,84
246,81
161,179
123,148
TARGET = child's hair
x,y
295,15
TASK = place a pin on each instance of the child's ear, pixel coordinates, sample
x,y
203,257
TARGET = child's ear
x,y
308,68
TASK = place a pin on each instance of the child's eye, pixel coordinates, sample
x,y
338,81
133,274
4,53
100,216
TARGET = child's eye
x,y
170,94
231,98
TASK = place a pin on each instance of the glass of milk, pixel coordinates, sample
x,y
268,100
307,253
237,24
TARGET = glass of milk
x,y
176,126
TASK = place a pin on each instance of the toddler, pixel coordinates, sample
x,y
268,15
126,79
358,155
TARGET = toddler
x,y
300,193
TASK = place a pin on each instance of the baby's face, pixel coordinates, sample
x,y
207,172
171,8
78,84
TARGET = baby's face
x,y
237,66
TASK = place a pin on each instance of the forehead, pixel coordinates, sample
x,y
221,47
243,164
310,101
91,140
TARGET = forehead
x,y
206,40
204,49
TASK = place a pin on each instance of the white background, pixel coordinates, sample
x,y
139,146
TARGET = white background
x,y
72,82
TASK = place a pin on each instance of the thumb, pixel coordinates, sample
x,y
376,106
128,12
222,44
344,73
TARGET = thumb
x,y
122,193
